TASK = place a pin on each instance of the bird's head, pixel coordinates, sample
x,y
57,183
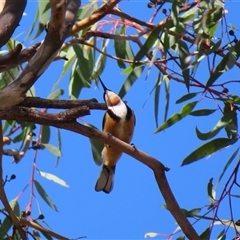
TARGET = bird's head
x,y
110,98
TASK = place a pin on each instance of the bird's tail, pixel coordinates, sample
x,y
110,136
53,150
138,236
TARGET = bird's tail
x,y
105,180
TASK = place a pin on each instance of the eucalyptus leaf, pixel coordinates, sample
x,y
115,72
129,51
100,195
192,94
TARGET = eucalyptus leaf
x,y
53,178
223,122
207,149
44,195
54,150
186,97
186,109
96,147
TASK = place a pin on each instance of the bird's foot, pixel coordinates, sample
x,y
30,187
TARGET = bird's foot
x,y
133,146
109,134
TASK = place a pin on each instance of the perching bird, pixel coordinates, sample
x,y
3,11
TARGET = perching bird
x,y
119,121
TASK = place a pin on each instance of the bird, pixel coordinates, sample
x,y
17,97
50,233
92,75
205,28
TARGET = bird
x,y
119,120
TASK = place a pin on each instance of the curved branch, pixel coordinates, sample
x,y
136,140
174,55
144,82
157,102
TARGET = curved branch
x,y
61,104
62,120
17,57
41,229
62,19
10,18
95,16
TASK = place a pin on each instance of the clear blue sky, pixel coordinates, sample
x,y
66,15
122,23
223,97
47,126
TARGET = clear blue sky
x,y
133,208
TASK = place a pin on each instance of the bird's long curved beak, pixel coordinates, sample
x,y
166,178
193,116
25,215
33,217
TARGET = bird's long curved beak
x,y
104,87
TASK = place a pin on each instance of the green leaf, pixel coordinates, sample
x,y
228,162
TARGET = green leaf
x,y
186,109
223,122
56,94
132,77
5,226
96,147
129,51
53,178
45,136
206,234
214,47
188,15
226,64
181,237
75,84
227,165
167,95
15,206
120,48
207,149
101,61
54,150
183,54
148,44
59,145
43,8
235,195
157,97
70,55
33,25
211,191
36,235
44,195
150,64
187,97
202,112
221,235
48,237
150,235
191,213
85,69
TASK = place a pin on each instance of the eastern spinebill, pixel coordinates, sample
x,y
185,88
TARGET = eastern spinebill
x,y
119,120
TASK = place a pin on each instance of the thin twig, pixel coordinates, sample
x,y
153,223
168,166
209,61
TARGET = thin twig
x,y
3,197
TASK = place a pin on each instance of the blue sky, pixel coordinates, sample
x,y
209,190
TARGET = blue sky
x,y
133,208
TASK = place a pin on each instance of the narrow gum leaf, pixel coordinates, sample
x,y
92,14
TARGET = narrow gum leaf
x,y
157,98
132,77
202,112
227,165
53,178
210,190
225,64
96,148
183,54
207,149
45,136
186,109
44,195
187,97
54,150
56,94
148,44
59,140
223,122
167,95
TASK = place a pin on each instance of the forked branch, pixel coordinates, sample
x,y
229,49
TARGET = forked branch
x,y
68,120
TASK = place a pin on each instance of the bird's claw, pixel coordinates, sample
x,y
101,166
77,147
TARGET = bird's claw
x,y
109,134
133,146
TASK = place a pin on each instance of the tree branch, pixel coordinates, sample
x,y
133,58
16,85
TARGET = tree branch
x,y
37,226
62,19
95,16
10,18
17,57
61,104
67,120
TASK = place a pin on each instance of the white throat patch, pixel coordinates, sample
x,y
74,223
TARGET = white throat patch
x,y
119,110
